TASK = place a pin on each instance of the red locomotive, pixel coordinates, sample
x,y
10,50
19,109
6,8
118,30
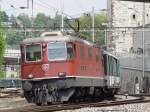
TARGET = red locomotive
x,y
60,68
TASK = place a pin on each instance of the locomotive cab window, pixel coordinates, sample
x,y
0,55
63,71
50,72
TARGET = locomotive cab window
x,y
33,52
70,50
57,51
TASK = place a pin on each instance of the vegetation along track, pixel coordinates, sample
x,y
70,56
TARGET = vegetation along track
x,y
60,107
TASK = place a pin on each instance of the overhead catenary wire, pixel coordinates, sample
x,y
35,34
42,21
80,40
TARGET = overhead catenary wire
x,y
47,6
7,2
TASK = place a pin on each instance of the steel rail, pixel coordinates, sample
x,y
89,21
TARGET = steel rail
x,y
83,105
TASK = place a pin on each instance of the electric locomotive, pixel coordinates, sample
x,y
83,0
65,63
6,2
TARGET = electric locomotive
x,y
61,68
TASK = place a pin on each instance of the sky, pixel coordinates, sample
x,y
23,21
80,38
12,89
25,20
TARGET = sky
x,y
50,7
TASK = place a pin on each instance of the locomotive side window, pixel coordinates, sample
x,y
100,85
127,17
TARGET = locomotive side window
x,y
70,50
114,67
33,52
105,64
82,52
97,56
89,53
117,66
57,51
110,65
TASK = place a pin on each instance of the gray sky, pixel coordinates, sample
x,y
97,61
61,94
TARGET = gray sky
x,y
49,7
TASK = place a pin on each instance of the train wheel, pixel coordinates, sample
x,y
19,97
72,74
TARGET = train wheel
x,y
111,93
49,103
38,104
39,99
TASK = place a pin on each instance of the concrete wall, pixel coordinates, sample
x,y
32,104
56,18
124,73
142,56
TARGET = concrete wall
x,y
131,70
129,76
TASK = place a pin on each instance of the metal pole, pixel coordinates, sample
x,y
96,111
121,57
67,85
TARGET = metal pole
x,y
143,40
143,46
109,21
32,19
62,16
106,41
93,22
27,4
25,33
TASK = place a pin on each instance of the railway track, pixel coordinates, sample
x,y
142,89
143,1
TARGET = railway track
x,y
10,94
60,107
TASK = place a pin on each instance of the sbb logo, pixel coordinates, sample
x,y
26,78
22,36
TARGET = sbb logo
x,y
45,67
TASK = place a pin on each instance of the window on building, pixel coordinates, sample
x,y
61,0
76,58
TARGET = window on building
x,y
12,75
12,68
133,16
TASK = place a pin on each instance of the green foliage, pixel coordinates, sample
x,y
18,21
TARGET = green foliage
x,y
2,74
24,20
4,16
57,22
41,20
86,23
2,44
14,37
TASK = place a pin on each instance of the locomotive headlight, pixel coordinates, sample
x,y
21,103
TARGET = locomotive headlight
x,y
30,76
62,74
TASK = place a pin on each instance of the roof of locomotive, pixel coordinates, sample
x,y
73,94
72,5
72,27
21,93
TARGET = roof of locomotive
x,y
55,38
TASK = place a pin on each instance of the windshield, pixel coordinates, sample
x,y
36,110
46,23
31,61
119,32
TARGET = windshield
x,y
57,51
33,52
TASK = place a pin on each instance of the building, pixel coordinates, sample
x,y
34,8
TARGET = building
x,y
123,15
12,63
125,40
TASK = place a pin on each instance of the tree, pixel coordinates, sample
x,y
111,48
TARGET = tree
x,y
24,20
13,21
4,16
86,23
41,20
57,22
14,37
2,47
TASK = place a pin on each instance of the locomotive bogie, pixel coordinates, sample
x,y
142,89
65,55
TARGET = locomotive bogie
x,y
64,90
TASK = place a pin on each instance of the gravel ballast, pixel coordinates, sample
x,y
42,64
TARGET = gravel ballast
x,y
143,107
